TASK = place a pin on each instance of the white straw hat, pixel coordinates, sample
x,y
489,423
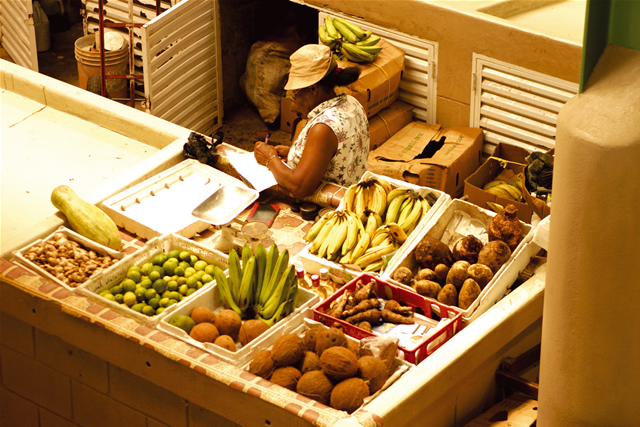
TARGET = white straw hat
x,y
309,64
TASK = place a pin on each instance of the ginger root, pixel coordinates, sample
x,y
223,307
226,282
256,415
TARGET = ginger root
x,y
362,306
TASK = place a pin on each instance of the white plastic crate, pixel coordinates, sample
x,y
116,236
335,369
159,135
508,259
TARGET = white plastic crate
x,y
19,256
313,263
437,229
301,324
163,203
162,244
211,299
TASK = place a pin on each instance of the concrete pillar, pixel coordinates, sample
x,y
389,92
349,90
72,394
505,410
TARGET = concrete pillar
x,y
590,360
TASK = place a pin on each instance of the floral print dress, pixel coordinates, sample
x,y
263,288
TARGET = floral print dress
x,y
348,120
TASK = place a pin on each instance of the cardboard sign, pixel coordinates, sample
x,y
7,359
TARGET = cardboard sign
x,y
429,156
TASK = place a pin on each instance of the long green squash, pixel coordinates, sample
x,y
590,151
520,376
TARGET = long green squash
x,y
86,219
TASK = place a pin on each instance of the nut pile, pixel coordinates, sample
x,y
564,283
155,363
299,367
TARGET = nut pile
x,y
67,260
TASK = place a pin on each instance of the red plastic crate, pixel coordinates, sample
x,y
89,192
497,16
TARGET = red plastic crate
x,y
421,305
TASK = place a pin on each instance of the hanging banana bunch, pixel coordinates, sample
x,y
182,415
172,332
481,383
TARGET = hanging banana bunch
x,y
261,285
349,40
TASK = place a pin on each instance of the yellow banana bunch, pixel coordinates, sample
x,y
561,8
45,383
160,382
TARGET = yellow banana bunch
x,y
335,236
369,194
262,286
406,208
349,40
506,190
386,239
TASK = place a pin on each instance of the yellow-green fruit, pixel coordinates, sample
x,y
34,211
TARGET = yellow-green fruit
x,y
183,322
129,298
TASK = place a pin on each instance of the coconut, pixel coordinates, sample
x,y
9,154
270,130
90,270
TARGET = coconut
x,y
251,329
287,350
225,341
349,394
329,338
203,314
309,362
262,364
204,332
309,338
286,376
315,385
228,322
339,363
373,370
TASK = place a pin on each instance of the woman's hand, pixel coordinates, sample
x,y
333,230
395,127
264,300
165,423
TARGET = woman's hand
x,y
263,152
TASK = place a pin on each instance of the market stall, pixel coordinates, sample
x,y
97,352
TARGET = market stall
x,y
450,386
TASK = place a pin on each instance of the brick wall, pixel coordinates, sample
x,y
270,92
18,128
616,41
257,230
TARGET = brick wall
x,y
46,382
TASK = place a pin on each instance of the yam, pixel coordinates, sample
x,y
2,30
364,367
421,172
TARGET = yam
x,y
403,275
494,254
441,271
428,288
507,227
458,273
430,252
480,273
468,293
448,295
467,249
426,274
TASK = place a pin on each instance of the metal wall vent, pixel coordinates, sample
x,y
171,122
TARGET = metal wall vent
x,y
418,83
515,105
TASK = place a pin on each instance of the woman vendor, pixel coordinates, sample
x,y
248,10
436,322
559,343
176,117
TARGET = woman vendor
x,y
334,144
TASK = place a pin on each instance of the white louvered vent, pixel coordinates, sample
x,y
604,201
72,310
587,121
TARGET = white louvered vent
x,y
17,32
117,11
515,105
418,83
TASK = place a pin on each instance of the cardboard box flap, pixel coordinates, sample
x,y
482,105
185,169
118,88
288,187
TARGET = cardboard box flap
x,y
396,149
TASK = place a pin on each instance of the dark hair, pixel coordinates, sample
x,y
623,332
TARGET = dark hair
x,y
340,77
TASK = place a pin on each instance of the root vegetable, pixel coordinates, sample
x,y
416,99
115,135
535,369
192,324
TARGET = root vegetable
x,y
448,295
362,306
494,254
403,275
441,273
365,292
467,249
426,274
372,316
480,273
428,288
431,252
364,325
468,293
396,307
506,227
458,273
390,316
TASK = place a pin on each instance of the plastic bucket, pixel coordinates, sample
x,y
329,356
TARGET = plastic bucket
x,y
115,63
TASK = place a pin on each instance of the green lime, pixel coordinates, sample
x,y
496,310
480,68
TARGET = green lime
x,y
145,268
183,289
185,256
148,310
134,275
160,286
146,283
154,302
159,259
117,289
184,264
193,260
209,268
164,302
181,281
172,301
189,271
206,278
154,275
129,298
159,310
182,321
139,293
175,253
179,271
176,296
104,292
199,285
119,298
138,307
128,285
192,281
200,264
172,285
190,291
110,297
166,294
150,294
169,266
134,267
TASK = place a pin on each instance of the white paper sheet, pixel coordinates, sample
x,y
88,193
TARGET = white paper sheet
x,y
245,163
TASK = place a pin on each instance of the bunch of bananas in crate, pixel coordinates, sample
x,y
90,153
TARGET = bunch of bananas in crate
x,y
261,285
506,190
375,221
349,40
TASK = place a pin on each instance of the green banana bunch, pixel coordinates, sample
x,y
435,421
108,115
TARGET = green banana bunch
x,y
262,286
349,40
406,208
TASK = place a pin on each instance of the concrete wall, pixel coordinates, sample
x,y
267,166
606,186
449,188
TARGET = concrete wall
x,y
459,34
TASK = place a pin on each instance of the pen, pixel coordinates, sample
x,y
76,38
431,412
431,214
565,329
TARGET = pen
x,y
266,139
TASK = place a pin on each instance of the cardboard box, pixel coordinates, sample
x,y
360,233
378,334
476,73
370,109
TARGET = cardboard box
x,y
387,122
445,170
377,86
515,411
490,169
